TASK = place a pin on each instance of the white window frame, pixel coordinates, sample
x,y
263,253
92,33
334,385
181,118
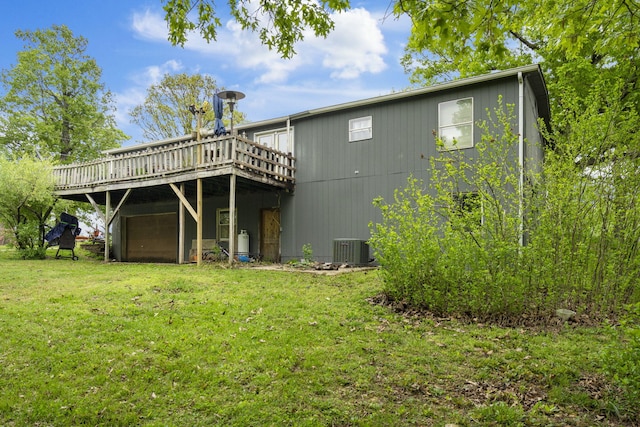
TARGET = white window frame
x,y
449,125
268,138
357,132
223,228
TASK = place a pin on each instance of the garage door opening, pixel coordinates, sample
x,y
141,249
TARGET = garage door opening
x,y
151,238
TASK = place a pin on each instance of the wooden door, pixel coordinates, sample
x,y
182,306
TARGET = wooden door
x,y
270,234
151,238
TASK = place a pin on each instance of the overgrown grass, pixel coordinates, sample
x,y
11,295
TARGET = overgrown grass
x,y
88,343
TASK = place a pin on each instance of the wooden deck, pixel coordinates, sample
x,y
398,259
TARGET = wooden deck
x,y
177,160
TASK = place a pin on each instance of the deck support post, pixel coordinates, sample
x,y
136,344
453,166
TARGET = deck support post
x,y
107,215
199,221
232,216
181,229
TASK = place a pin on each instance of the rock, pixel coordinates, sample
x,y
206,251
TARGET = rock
x,y
565,314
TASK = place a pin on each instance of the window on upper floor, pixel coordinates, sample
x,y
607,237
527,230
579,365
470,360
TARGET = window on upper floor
x,y
279,139
360,129
455,123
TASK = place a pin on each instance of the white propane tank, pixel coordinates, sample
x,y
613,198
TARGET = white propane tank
x,y
243,243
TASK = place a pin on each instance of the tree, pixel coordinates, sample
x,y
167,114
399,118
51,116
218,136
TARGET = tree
x,y
578,42
280,24
26,201
165,113
54,104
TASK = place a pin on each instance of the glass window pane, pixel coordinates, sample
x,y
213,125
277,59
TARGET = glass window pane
x,y
360,128
283,143
224,233
224,217
457,136
360,123
266,140
279,139
360,134
455,120
455,112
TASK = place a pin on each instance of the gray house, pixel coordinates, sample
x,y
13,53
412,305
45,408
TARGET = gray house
x,y
308,178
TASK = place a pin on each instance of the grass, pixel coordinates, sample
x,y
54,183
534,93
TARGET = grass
x,y
89,343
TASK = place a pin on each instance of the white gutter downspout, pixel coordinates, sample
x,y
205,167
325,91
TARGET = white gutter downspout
x,y
521,154
289,135
292,152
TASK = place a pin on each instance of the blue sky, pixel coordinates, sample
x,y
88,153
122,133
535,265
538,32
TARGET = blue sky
x,y
360,59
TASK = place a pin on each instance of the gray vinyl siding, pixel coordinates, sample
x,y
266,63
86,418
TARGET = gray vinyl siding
x,y
331,200
337,180
534,153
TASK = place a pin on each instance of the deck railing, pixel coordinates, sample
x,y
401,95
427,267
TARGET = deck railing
x,y
179,157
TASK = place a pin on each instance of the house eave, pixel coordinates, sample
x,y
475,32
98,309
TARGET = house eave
x,y
513,72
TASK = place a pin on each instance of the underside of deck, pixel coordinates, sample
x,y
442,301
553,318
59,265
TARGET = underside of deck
x,y
184,169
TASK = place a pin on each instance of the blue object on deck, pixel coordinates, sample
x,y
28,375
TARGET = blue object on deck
x,y
218,110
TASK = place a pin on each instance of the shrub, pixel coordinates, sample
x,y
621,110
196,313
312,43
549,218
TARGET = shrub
x,y
621,362
307,253
29,243
456,248
486,240
407,247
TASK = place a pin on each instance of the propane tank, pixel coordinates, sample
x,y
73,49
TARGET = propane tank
x,y
243,243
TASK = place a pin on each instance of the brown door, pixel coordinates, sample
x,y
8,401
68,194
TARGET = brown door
x,y
270,234
151,238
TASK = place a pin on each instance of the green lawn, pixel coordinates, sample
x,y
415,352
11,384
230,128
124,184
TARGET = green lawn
x,y
89,343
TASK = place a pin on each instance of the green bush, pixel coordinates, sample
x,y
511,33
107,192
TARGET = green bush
x,y
28,241
456,248
621,362
407,247
484,239
307,253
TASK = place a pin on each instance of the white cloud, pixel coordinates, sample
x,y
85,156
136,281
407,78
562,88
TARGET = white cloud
x,y
149,25
154,73
356,46
348,65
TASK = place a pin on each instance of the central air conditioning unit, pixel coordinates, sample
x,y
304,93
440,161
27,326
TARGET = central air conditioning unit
x,y
350,251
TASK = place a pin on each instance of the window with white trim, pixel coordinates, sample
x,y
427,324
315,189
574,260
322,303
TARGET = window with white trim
x,y
455,123
222,224
278,139
360,129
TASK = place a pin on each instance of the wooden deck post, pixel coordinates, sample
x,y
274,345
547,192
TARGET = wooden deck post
x,y
181,229
199,222
107,216
199,190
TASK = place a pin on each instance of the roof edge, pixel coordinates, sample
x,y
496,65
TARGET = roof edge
x,y
452,84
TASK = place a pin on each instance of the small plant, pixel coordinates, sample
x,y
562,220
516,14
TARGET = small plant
x,y
307,253
621,361
213,254
28,243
